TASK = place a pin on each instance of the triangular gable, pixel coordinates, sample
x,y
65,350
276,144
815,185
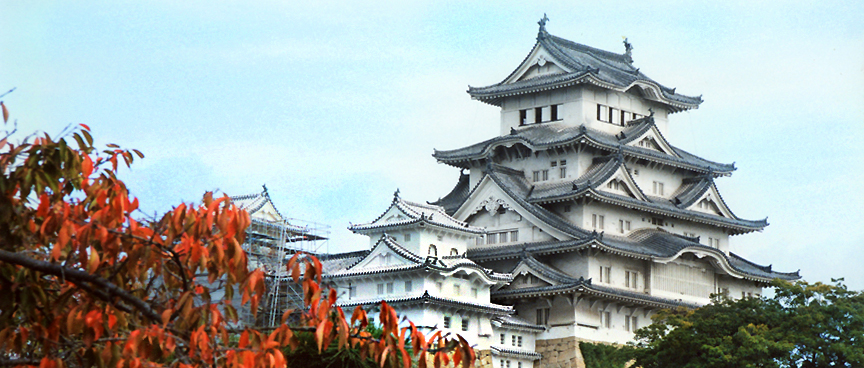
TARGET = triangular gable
x,y
538,63
712,203
654,140
490,197
259,206
522,277
387,254
622,183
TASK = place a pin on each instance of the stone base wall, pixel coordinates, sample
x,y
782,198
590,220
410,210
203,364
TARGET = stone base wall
x,y
484,359
559,353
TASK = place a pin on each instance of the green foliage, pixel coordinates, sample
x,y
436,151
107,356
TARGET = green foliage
x,y
306,354
605,356
804,325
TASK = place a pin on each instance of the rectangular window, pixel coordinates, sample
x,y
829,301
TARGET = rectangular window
x,y
507,365
626,323
605,319
352,292
439,286
553,113
502,237
658,188
514,236
615,116
407,237
538,114
566,208
513,340
380,289
457,290
621,226
502,339
446,321
631,279
545,175
602,113
563,172
523,117
594,220
519,341
626,116
604,274
553,164
600,221
474,293
389,288
479,240
465,323
634,323
536,176
542,316
491,239
408,286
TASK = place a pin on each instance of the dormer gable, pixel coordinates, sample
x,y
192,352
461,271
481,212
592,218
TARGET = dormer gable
x,y
622,183
700,194
538,63
259,206
648,137
387,253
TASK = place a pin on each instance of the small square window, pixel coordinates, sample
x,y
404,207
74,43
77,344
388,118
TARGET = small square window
x,y
553,164
566,208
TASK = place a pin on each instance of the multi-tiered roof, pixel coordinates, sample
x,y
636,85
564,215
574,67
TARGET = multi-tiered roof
x,y
584,65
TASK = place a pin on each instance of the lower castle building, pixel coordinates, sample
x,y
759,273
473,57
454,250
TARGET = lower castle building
x,y
577,223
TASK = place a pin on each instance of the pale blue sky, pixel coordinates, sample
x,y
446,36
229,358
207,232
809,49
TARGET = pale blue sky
x,y
335,105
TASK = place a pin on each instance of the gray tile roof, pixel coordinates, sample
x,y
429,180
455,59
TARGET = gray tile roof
x,y
586,287
433,300
540,137
339,266
642,243
588,65
453,200
510,352
545,270
586,185
511,321
416,213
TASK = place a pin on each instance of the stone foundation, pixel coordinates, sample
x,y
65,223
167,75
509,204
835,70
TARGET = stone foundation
x,y
559,353
484,359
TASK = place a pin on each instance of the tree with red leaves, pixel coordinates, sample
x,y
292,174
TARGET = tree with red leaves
x,y
86,284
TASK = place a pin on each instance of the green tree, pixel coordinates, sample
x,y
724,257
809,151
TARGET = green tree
x,y
804,325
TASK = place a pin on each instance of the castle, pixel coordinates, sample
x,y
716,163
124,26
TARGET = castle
x,y
578,222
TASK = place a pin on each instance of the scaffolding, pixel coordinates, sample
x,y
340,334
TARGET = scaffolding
x,y
269,245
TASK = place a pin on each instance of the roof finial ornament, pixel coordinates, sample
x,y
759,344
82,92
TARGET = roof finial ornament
x,y
396,194
542,32
651,111
628,50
